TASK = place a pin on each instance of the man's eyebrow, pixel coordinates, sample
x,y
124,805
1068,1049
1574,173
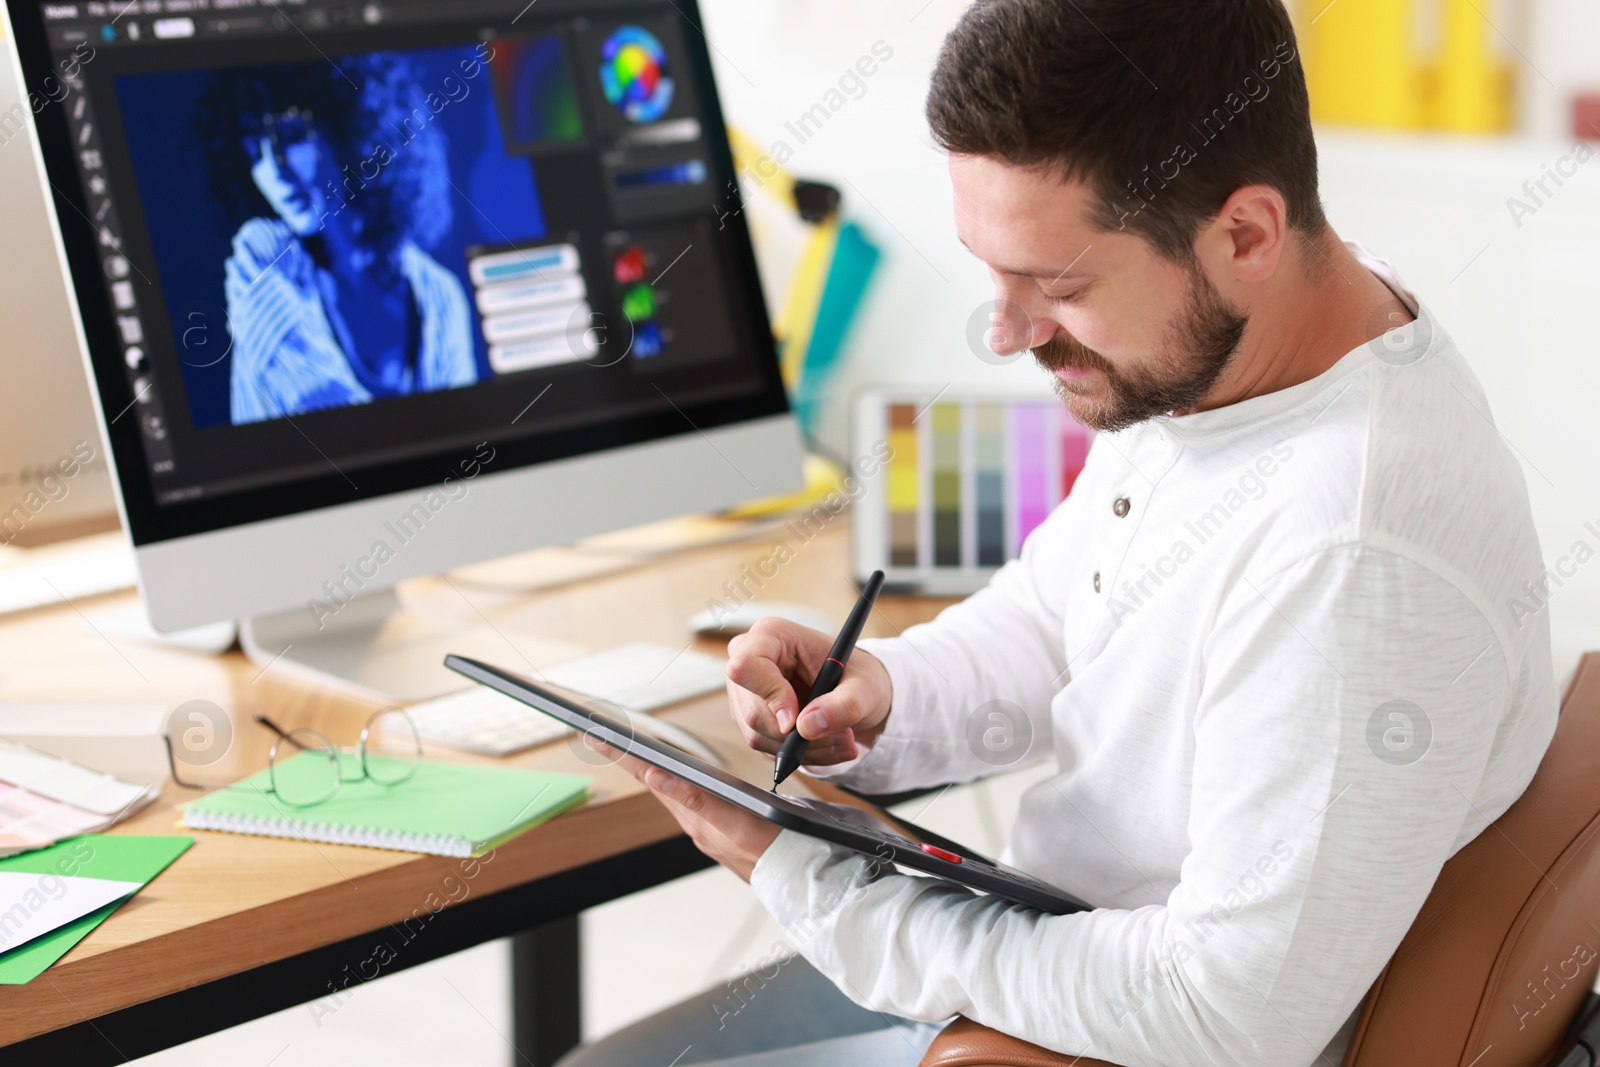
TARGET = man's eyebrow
x,y
1048,273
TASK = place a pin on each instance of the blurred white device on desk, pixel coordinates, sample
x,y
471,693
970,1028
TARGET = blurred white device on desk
x,y
84,567
40,577
127,619
123,740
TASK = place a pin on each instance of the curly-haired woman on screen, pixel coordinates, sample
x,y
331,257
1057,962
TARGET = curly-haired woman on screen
x,y
331,298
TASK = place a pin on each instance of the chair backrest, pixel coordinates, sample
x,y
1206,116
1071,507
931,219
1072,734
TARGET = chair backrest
x,y
1497,963
1499,959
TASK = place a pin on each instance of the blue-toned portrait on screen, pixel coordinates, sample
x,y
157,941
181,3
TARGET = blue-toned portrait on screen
x,y
311,219
331,297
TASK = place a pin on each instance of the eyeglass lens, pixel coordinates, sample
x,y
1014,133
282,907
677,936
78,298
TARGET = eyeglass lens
x,y
390,747
303,768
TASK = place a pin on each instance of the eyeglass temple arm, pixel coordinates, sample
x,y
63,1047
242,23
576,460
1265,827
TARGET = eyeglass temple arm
x,y
172,758
280,731
172,765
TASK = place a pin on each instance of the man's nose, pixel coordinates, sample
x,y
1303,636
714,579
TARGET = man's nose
x,y
1014,324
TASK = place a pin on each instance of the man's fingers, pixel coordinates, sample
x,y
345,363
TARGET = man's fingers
x,y
769,667
756,663
662,783
835,748
832,712
667,786
690,822
632,764
761,727
766,660
756,738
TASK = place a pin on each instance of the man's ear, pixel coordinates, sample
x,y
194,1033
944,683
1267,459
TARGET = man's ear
x,y
1245,241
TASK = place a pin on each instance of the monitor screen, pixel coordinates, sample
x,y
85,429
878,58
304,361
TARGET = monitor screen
x,y
328,251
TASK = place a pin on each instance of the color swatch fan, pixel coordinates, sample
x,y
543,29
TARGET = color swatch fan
x,y
965,480
633,74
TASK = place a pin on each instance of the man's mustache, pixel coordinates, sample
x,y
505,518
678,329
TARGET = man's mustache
x,y
1059,353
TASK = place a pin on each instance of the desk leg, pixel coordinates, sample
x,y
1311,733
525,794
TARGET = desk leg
x,y
545,1009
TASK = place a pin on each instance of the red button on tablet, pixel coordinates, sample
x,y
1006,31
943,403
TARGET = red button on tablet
x,y
942,853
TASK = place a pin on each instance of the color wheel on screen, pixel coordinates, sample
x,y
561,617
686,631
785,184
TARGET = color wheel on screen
x,y
633,74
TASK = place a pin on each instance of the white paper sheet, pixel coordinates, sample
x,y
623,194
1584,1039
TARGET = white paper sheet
x,y
31,905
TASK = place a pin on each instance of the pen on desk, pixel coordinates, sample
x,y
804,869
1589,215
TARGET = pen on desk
x,y
793,749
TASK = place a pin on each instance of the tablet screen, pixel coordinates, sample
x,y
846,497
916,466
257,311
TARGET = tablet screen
x,y
844,824
615,730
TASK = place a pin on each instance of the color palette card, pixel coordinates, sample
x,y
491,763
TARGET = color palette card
x,y
28,820
955,483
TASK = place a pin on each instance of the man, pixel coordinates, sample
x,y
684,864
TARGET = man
x,y
1265,638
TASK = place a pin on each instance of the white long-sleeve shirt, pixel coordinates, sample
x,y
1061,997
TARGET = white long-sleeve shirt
x,y
1302,666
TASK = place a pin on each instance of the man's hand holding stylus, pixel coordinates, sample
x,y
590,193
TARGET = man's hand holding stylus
x,y
770,669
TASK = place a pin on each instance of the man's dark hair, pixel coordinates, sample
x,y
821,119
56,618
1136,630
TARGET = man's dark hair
x,y
1163,109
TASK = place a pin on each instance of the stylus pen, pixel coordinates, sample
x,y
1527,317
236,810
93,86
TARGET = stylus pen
x,y
793,749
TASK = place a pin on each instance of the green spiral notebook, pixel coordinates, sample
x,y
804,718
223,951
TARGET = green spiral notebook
x,y
446,809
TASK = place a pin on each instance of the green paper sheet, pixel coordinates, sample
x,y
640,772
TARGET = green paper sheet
x,y
122,857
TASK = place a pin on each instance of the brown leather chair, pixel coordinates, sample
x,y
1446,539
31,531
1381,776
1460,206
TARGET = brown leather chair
x,y
1501,958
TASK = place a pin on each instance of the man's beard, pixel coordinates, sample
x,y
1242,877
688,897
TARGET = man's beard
x,y
1192,358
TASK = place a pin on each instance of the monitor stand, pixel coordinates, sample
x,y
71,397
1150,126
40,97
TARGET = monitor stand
x,y
377,649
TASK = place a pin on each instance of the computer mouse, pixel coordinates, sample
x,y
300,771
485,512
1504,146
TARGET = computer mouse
x,y
730,620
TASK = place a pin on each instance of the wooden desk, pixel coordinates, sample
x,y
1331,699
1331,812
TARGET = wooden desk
x,y
243,926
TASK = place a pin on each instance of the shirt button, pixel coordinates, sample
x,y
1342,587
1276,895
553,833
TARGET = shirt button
x,y
1120,506
1096,581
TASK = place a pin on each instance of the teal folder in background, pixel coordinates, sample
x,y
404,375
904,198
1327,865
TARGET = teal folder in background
x,y
855,259
447,809
120,857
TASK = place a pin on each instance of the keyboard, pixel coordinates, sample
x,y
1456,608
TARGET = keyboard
x,y
484,721
47,576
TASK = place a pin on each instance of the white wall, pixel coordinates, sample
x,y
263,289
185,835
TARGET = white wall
x,y
1557,38
774,61
1522,311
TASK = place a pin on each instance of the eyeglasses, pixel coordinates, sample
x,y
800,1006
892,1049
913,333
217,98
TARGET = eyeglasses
x,y
305,768
387,753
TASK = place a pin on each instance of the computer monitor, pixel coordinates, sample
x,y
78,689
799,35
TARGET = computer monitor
x,y
373,290
54,474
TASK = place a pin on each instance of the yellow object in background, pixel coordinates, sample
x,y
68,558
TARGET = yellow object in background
x,y
905,477
1474,83
799,312
1410,64
751,159
1363,61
